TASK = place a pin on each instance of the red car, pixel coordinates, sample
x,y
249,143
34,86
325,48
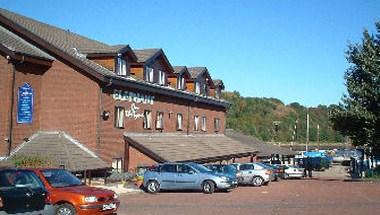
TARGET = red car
x,y
71,197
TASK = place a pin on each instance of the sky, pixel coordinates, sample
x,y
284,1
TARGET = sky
x,y
293,50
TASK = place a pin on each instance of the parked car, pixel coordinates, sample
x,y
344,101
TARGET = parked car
x,y
227,170
71,197
184,176
255,174
291,171
22,192
278,171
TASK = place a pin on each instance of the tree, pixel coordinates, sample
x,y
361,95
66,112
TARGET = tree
x,y
358,116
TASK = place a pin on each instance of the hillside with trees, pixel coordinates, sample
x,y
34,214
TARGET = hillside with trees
x,y
269,119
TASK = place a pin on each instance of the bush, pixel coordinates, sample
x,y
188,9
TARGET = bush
x,y
23,161
121,176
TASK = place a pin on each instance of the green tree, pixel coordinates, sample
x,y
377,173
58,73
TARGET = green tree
x,y
358,116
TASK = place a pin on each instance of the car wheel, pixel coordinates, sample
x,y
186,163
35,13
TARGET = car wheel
x,y
257,181
153,187
65,209
208,187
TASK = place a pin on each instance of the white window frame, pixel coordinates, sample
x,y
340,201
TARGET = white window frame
x,y
179,122
121,67
196,123
119,117
149,74
218,93
147,123
160,120
117,164
204,123
161,77
217,124
181,82
197,87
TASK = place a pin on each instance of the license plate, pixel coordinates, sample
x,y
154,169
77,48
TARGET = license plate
x,y
109,206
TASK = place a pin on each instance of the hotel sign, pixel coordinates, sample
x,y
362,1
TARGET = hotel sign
x,y
137,98
25,104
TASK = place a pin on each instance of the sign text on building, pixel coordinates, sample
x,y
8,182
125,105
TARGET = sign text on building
x,y
121,95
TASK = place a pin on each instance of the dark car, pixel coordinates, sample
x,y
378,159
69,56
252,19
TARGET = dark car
x,y
228,170
21,192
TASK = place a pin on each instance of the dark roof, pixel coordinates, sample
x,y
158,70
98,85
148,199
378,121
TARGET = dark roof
x,y
71,48
16,44
264,149
62,150
144,55
195,72
181,70
219,83
200,148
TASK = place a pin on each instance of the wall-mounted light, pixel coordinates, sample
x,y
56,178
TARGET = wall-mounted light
x,y
105,115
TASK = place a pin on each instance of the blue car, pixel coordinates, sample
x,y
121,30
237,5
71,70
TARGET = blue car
x,y
185,176
223,169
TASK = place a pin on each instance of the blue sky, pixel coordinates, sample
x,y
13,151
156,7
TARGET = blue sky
x,y
293,50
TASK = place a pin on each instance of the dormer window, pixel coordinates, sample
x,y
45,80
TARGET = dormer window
x,y
181,82
149,74
218,93
161,77
197,87
121,67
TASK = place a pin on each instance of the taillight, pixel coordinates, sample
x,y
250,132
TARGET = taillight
x,y
1,203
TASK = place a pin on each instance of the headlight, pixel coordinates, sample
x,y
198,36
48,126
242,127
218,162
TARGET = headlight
x,y
90,199
115,196
224,178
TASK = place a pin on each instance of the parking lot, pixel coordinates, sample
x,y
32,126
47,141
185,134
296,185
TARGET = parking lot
x,y
319,195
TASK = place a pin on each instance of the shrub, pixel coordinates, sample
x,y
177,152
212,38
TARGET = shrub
x,y
35,161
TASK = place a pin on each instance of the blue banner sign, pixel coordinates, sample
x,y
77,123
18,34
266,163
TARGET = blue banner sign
x,y
25,104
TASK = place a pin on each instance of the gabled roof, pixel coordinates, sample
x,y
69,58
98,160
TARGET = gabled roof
x,y
18,45
265,149
219,83
148,56
202,148
195,72
181,70
61,149
112,52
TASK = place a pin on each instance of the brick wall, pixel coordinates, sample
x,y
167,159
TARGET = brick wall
x,y
5,86
70,103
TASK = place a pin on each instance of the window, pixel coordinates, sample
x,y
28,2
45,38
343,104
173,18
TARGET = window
x,y
117,164
169,168
161,77
147,119
121,67
119,117
197,87
149,74
179,122
217,124
204,123
160,120
181,82
183,168
218,93
246,167
196,123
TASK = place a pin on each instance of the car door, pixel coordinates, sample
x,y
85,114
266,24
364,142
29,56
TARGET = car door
x,y
187,178
246,172
21,191
167,177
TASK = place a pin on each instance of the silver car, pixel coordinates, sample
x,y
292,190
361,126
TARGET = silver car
x,y
184,176
255,174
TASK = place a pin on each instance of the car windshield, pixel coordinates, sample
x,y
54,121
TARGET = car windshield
x,y
19,178
230,169
264,166
60,178
200,168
